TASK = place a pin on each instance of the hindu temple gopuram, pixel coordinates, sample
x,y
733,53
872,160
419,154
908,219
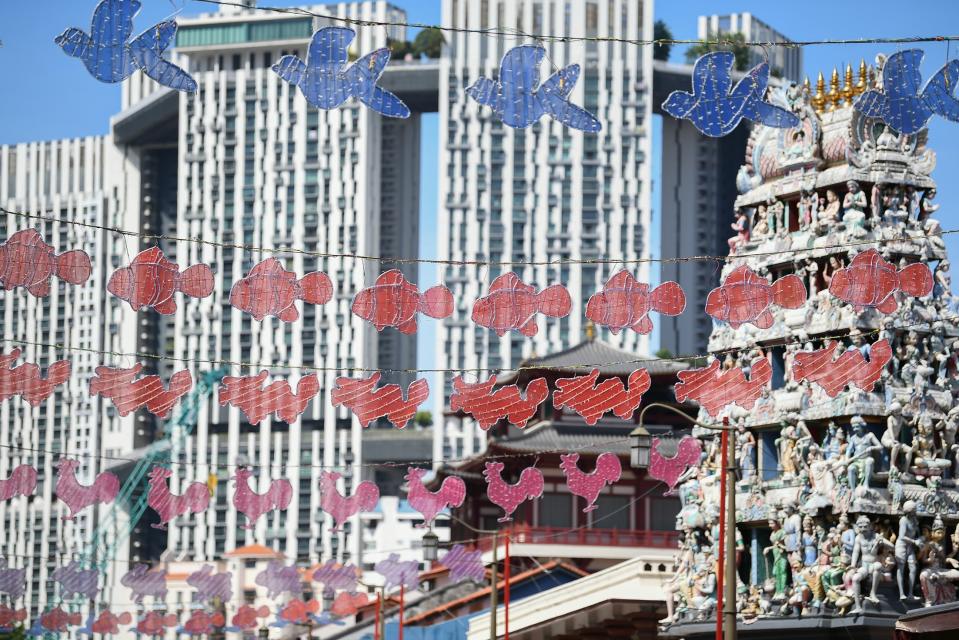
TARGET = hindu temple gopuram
x,y
846,490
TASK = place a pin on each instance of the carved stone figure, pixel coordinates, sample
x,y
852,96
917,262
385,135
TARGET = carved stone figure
x,y
940,572
891,436
906,546
854,205
863,445
780,566
866,560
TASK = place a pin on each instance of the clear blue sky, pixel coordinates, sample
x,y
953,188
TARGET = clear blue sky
x,y
50,96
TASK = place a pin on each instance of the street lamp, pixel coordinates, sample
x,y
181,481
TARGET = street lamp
x,y
431,546
328,596
263,633
639,445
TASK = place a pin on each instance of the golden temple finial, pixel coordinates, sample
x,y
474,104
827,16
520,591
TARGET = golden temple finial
x,y
848,89
863,77
818,100
590,331
806,87
834,96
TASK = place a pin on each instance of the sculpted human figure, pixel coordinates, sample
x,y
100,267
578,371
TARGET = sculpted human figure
x,y
890,437
926,455
745,452
854,205
780,569
866,561
906,546
830,214
863,445
791,527
741,227
940,572
761,222
787,442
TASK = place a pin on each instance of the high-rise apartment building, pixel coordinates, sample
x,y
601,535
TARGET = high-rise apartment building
x,y
786,62
83,180
546,193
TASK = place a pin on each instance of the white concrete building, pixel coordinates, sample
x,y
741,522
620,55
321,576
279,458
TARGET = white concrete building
x,y
787,60
546,193
82,180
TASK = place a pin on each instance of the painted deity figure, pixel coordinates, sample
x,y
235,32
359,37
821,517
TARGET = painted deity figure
x,y
940,572
830,214
891,437
810,543
761,222
745,452
863,445
780,568
866,560
787,443
792,527
906,546
854,205
834,443
741,227
822,483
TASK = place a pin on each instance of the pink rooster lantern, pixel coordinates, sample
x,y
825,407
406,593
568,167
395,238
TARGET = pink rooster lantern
x,y
195,498
76,496
669,466
22,482
431,503
252,504
364,498
589,485
510,496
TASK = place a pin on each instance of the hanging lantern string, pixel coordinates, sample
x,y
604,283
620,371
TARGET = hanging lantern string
x,y
904,237
688,359
506,33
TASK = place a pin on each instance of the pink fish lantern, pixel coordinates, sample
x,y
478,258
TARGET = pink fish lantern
x,y
745,296
464,565
592,401
510,496
871,282
512,305
78,497
271,290
253,504
364,498
26,260
393,301
245,618
589,485
156,624
670,468
347,604
849,368
152,279
22,482
108,623
625,303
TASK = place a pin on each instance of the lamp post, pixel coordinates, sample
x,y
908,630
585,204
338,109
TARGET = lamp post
x,y
639,447
263,633
431,545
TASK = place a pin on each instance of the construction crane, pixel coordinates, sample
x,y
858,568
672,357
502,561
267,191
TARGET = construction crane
x,y
110,532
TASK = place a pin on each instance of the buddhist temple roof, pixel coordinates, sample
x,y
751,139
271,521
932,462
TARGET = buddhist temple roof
x,y
578,358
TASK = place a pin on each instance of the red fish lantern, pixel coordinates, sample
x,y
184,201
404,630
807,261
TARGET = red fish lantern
x,y
488,407
148,392
393,301
512,305
585,397
27,261
745,297
271,290
714,389
248,394
368,403
152,279
625,303
871,282
849,368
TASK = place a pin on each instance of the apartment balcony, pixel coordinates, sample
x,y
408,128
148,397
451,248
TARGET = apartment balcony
x,y
616,544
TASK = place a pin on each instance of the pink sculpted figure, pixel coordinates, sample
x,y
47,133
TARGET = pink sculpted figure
x,y
488,407
510,496
849,368
591,400
27,381
393,301
714,390
252,504
195,498
248,394
589,485
77,497
129,394
511,304
364,498
745,296
625,303
26,260
369,403
870,281
669,468
431,503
